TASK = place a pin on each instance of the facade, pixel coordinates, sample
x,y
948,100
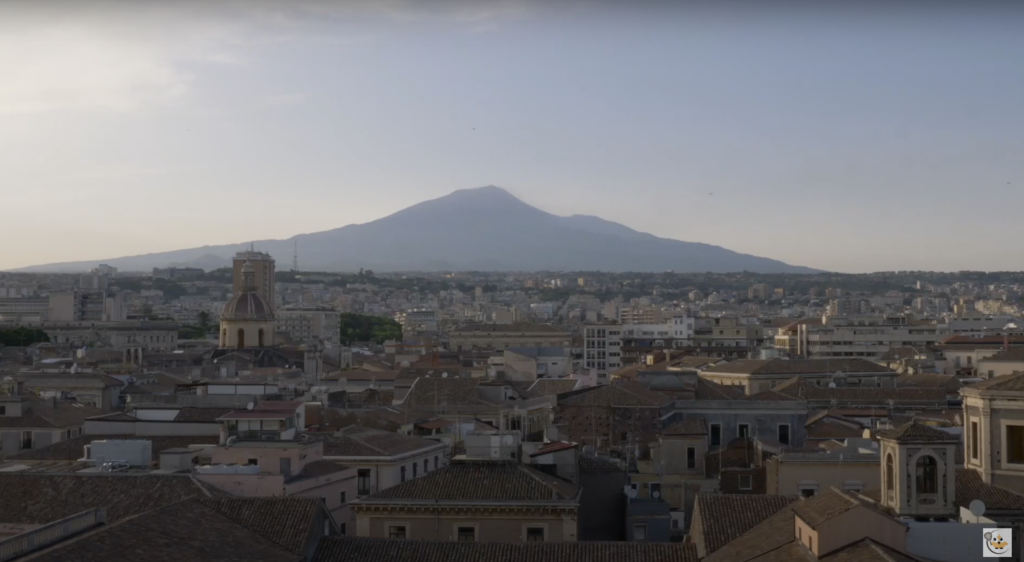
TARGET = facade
x,y
964,352
263,267
726,337
24,310
530,364
869,337
302,324
918,471
177,272
994,430
474,501
504,336
854,468
248,318
602,350
143,335
28,423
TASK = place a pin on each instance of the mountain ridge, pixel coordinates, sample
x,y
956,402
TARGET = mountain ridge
x,y
484,228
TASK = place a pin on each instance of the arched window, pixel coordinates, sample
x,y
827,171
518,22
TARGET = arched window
x,y
890,473
241,338
260,336
927,475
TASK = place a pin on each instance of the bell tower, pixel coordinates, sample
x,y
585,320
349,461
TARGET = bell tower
x,y
919,471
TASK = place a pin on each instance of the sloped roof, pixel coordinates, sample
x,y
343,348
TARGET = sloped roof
x,y
345,549
359,441
688,426
929,380
970,487
284,521
822,507
778,367
42,414
160,535
481,481
724,517
1008,383
551,387
622,393
40,498
915,432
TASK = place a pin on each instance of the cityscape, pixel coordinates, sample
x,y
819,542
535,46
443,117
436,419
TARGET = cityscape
x,y
510,281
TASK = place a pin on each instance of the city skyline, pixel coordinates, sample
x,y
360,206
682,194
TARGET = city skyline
x,y
131,131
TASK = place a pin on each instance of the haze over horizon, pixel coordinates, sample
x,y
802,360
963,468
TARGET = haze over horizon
x,y
837,139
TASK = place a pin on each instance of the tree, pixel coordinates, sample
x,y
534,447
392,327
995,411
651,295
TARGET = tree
x,y
204,320
361,327
22,336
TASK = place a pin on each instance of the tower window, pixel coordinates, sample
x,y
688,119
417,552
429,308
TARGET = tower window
x,y
927,475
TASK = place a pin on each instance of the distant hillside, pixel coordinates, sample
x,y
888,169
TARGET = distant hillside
x,y
486,228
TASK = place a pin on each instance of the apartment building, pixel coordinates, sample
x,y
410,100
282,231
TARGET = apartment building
x,y
869,337
609,347
305,323
726,336
504,336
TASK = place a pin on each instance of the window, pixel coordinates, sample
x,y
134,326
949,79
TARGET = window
x,y
435,462
746,482
927,475
363,481
403,474
784,433
466,534
744,430
1015,444
716,434
3,410
342,528
991,373
424,466
26,439
890,474
655,489
535,534
691,457
974,440
639,532
344,500
808,492
396,532
415,466
969,359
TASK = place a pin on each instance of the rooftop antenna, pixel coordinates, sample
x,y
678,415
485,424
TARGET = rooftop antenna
x,y
295,257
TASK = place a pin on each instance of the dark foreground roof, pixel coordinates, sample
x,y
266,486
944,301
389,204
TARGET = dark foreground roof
x,y
394,550
481,481
183,532
39,498
287,522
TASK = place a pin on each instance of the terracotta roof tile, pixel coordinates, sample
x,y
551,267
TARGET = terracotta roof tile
x,y
359,441
480,481
970,487
345,549
285,521
724,517
798,366
915,432
689,426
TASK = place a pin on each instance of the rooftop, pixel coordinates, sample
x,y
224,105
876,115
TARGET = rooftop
x,y
798,367
74,448
359,441
485,481
915,432
346,549
689,426
724,517
508,328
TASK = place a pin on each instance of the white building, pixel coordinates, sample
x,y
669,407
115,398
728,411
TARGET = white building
x,y
302,324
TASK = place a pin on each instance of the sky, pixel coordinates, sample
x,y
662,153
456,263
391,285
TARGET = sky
x,y
846,139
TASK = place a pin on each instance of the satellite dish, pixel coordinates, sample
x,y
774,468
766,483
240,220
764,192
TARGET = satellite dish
x,y
249,406
977,508
831,385
631,492
507,440
656,494
444,375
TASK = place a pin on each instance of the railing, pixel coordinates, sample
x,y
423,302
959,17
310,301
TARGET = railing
x,y
51,533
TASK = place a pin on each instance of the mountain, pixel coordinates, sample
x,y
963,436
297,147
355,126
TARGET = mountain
x,y
486,229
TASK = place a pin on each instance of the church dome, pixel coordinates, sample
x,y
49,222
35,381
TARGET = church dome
x,y
247,306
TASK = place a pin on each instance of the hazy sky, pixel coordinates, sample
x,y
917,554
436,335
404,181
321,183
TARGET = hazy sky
x,y
849,140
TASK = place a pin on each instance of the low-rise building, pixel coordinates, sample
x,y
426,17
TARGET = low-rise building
x,y
474,501
853,467
381,459
282,469
504,336
305,323
760,375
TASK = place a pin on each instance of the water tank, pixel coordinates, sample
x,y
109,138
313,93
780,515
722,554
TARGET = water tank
x,y
135,452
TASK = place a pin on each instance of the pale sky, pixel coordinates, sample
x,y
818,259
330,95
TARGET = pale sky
x,y
848,140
